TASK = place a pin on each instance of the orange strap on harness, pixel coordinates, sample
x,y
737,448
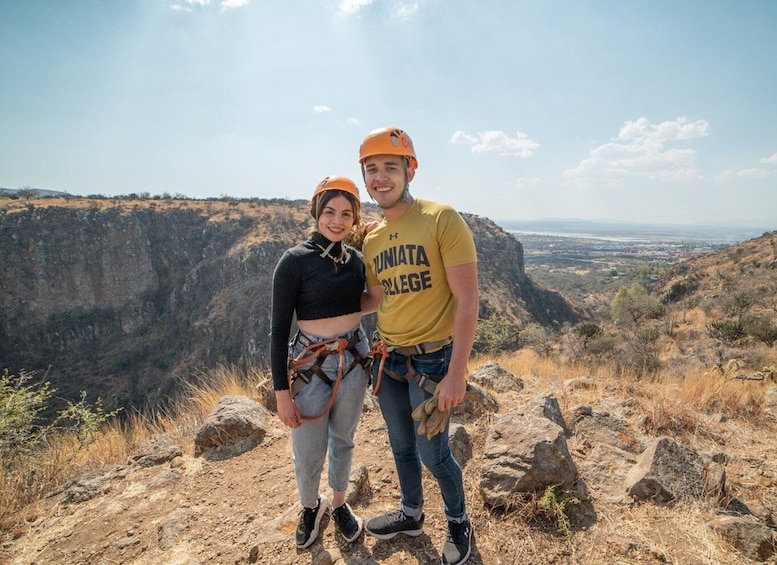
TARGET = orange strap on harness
x,y
380,347
318,352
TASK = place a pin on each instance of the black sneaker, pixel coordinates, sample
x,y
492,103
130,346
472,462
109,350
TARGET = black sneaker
x,y
458,546
309,521
389,525
349,524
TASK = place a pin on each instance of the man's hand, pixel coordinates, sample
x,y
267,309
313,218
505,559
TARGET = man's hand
x,y
431,420
451,389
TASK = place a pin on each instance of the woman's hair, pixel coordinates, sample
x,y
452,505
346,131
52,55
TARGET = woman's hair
x,y
319,201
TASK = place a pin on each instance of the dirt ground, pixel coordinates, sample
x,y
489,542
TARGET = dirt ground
x,y
243,509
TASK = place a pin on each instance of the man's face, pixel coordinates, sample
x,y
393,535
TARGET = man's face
x,y
385,177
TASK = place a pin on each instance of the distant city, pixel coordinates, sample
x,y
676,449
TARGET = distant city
x,y
589,247
634,231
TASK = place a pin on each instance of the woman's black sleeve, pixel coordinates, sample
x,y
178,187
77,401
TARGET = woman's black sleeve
x,y
285,289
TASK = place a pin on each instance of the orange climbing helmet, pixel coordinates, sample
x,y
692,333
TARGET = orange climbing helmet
x,y
388,141
337,182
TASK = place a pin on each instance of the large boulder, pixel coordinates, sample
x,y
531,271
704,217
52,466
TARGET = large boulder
x,y
524,454
235,425
493,376
667,471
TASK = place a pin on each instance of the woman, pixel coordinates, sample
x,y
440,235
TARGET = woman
x,y
319,377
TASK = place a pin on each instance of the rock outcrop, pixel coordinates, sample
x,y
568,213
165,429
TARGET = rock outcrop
x,y
127,299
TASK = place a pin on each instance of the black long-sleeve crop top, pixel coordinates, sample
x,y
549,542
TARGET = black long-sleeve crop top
x,y
314,287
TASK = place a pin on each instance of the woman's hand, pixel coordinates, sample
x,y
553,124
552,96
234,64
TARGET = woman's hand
x,y
287,410
369,226
360,232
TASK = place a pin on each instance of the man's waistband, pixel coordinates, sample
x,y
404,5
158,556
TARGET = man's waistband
x,y
422,348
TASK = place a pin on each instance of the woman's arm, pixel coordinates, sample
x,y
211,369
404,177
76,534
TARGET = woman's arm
x,y
371,299
285,290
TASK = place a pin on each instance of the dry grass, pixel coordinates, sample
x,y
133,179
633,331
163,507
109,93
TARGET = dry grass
x,y
680,407
208,389
64,458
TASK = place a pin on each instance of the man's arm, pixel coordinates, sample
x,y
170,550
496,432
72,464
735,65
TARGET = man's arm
x,y
463,282
371,298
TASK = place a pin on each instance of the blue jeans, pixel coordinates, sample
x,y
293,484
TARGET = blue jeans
x,y
334,431
397,402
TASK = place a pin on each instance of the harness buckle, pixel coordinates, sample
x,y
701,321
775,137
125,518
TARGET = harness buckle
x,y
426,383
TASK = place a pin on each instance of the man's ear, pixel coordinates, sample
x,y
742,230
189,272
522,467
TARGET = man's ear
x,y
410,173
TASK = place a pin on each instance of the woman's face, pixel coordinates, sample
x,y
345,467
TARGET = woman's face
x,y
336,219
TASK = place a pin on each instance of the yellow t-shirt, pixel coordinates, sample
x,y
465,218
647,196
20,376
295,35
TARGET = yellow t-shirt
x,y
408,257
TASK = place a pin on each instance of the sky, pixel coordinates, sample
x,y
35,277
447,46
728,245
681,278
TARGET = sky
x,y
659,111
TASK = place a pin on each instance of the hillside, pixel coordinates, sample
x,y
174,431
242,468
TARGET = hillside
x,y
723,305
161,503
749,267
127,298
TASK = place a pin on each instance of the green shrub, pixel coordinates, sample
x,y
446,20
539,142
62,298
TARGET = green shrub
x,y
730,332
586,332
21,404
762,330
83,419
553,504
644,345
542,340
496,334
633,305
23,431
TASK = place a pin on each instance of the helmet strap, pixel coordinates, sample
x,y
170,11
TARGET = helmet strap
x,y
325,251
406,190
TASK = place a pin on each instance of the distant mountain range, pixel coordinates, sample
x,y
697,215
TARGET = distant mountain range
x,y
576,227
573,227
35,191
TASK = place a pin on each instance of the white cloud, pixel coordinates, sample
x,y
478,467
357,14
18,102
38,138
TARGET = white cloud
x,y
406,11
186,5
400,9
497,142
461,137
349,7
772,160
234,3
353,121
320,109
526,183
641,150
750,173
754,172
678,130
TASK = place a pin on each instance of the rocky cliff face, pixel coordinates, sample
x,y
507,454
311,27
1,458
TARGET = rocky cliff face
x,y
126,300
504,286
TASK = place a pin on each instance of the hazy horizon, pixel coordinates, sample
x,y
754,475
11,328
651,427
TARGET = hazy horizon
x,y
643,111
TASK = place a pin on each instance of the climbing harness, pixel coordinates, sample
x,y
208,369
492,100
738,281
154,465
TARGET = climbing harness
x,y
317,352
383,350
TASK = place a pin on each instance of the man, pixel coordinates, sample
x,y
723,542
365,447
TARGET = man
x,y
422,281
